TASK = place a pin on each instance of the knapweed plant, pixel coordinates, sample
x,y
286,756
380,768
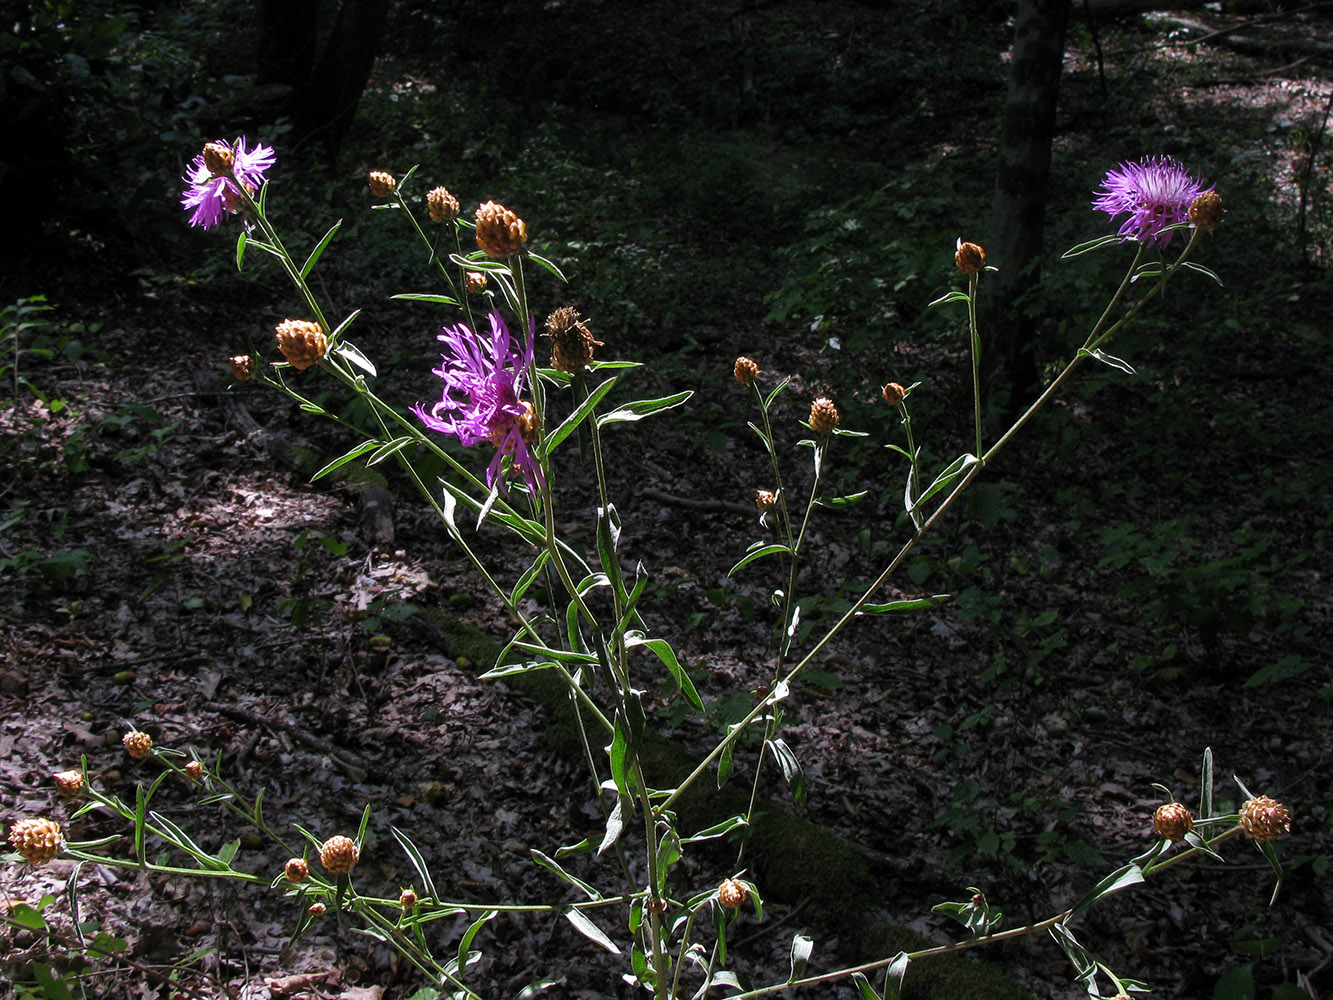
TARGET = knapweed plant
x,y
577,615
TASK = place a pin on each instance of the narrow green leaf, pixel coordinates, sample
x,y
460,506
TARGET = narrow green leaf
x,y
792,772
240,249
346,350
724,764
758,551
904,607
571,422
893,984
947,297
1108,359
1088,247
554,866
390,448
443,300
1206,785
662,649
1203,270
318,252
951,472
718,829
341,328
863,988
342,460
641,408
514,670
532,989
418,863
529,575
773,393
615,823
668,853
574,850
801,947
590,930
465,943
1121,878
543,262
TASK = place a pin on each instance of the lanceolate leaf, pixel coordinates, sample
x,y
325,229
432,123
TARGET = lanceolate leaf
x,y
758,553
554,866
418,863
1121,878
316,253
641,408
590,930
568,425
904,607
359,450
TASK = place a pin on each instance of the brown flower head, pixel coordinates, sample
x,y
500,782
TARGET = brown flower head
x,y
1206,211
572,342
339,855
296,870
442,206
1172,821
764,499
823,415
969,257
242,367
746,371
36,840
732,894
194,770
1264,819
68,783
302,342
500,233
894,394
382,183
138,745
476,282
219,158
316,909
408,899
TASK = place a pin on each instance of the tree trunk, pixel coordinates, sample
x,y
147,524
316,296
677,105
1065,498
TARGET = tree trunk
x,y
1018,210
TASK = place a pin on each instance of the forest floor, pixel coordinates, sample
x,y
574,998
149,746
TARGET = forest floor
x,y
163,572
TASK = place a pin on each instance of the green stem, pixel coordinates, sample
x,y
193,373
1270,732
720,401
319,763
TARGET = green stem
x,y
976,356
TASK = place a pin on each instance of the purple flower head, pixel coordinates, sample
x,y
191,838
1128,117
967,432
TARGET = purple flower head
x,y
1153,193
211,193
484,378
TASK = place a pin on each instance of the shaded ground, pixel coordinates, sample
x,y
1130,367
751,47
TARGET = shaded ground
x,y
164,572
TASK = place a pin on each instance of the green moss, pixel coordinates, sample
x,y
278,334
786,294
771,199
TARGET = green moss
x,y
940,977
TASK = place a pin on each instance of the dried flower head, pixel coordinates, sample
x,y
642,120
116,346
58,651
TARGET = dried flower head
x,y
408,899
194,770
484,378
764,499
1153,194
316,909
894,394
476,282
36,840
823,415
382,183
339,854
138,745
1264,819
572,342
746,371
242,367
302,342
442,206
1206,211
296,870
68,783
500,233
969,257
1172,821
213,185
732,894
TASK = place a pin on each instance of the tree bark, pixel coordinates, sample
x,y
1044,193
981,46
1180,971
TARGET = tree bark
x,y
1018,209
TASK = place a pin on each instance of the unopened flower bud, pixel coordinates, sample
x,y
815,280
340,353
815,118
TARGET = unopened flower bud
x,y
302,342
296,870
242,367
138,745
894,394
1172,821
339,855
442,206
316,909
746,371
764,499
382,183
823,415
218,158
500,233
194,770
572,342
408,899
36,840
1206,211
68,783
476,282
732,894
1264,819
969,257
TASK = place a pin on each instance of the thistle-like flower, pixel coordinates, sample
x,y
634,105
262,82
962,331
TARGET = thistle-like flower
x,y
1153,194
194,770
36,840
442,206
823,415
382,183
407,899
746,370
484,379
732,894
475,282
765,499
1206,211
216,176
296,870
969,257
138,745
339,854
68,783
500,233
302,342
1172,821
242,367
572,342
1264,819
894,394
